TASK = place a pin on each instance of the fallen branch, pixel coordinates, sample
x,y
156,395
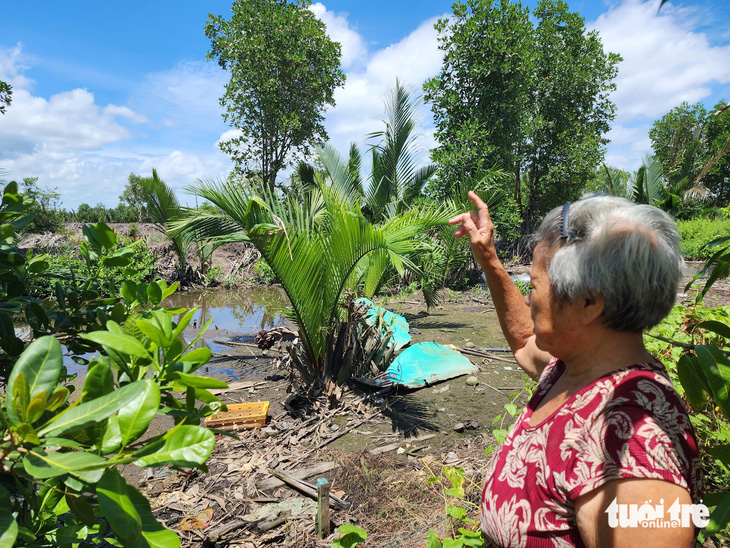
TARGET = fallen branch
x,y
480,354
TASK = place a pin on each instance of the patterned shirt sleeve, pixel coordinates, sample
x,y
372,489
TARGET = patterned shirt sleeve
x,y
642,433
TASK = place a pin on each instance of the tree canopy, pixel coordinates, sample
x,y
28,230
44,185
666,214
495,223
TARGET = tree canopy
x,y
529,98
284,70
6,92
692,145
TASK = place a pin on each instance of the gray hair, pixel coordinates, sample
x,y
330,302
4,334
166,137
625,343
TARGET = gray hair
x,y
628,253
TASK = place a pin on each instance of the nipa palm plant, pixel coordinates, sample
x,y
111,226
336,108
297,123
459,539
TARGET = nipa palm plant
x,y
315,247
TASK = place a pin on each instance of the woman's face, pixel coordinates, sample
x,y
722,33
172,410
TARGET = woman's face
x,y
555,326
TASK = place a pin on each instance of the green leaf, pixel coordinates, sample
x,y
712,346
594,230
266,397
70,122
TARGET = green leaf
x,y
688,371
41,363
118,342
112,438
154,535
58,398
118,508
19,398
94,411
152,332
350,536
128,291
198,356
27,433
713,499
721,452
154,293
82,509
116,260
196,381
720,328
37,406
719,518
43,465
716,366
8,525
105,235
187,445
142,294
432,540
130,515
136,415
184,322
455,511
99,381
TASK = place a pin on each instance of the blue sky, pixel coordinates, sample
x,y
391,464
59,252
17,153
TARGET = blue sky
x,y
104,89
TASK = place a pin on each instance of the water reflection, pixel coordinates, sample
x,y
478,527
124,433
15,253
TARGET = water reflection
x,y
240,312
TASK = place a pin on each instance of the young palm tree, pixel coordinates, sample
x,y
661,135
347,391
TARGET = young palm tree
x,y
163,207
316,248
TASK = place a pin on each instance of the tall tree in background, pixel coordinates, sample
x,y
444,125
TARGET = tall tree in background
x,y
677,139
530,99
6,91
133,197
480,97
693,149
284,70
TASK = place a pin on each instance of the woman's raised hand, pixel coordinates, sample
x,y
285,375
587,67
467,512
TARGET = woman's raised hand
x,y
477,225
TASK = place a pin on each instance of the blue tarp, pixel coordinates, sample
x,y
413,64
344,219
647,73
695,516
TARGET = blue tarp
x,y
393,323
427,363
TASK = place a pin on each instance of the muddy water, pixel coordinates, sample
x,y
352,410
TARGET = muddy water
x,y
235,312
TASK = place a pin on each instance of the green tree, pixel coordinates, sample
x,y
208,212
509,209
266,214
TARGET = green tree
x,y
692,148
6,92
677,140
531,99
315,252
284,70
715,173
133,197
46,216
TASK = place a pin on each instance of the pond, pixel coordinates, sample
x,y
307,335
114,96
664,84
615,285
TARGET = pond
x,y
240,312
236,312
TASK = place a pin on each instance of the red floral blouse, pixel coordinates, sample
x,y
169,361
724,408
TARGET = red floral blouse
x,y
627,424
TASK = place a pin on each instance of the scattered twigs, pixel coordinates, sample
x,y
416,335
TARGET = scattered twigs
x,y
480,354
309,489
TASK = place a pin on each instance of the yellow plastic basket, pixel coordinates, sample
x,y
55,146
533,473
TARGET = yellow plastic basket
x,y
240,416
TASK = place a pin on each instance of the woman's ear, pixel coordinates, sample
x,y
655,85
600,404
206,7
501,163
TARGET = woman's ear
x,y
593,308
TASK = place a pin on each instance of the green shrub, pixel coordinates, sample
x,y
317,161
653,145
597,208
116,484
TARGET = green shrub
x,y
67,259
696,233
264,273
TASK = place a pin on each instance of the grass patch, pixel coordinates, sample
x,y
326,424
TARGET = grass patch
x,y
696,233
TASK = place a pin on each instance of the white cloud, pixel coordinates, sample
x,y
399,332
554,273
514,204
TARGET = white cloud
x,y
354,50
67,121
664,62
359,105
85,149
185,96
12,64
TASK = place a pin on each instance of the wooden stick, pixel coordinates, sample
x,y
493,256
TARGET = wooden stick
x,y
323,508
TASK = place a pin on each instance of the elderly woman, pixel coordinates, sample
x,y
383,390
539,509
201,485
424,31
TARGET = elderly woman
x,y
604,427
